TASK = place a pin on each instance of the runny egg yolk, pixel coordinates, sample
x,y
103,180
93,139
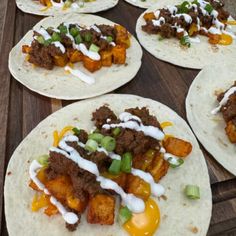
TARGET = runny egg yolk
x,y
146,223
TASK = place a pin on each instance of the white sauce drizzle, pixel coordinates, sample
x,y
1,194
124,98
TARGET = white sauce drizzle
x,y
60,46
224,100
44,33
82,76
159,21
128,122
94,27
187,18
69,217
93,55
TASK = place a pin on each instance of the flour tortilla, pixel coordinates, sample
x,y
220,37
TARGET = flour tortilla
x,y
36,8
142,4
210,129
179,215
59,84
169,50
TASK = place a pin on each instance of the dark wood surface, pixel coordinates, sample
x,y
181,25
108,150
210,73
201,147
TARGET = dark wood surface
x,y
21,110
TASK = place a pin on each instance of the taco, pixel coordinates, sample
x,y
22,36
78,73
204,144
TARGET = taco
x,y
71,57
142,3
191,34
109,159
211,112
53,7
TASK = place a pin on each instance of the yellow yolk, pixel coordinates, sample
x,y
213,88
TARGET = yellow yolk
x,y
146,223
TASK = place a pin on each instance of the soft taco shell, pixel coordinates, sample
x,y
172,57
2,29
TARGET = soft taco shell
x,y
179,215
59,84
36,8
210,129
170,50
142,4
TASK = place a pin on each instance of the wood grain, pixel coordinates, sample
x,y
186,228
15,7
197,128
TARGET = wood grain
x,y
22,109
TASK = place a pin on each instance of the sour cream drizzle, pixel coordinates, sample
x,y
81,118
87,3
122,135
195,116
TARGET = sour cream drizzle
x,y
85,78
60,46
135,204
224,100
69,217
132,122
44,33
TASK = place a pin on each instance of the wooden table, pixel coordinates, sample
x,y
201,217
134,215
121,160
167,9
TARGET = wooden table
x,y
21,110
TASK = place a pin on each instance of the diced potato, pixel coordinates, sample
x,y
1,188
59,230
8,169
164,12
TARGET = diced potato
x,y
60,187
177,147
75,56
119,54
142,162
101,210
159,167
120,179
75,203
26,49
230,130
213,38
46,3
51,210
106,58
60,60
40,201
149,16
122,36
193,29
138,187
91,65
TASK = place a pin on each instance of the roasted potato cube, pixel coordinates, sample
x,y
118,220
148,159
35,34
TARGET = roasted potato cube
x,y
101,210
26,49
75,203
60,187
120,179
60,60
106,58
177,147
51,210
122,36
213,38
138,187
46,3
75,56
230,130
149,16
159,167
119,54
91,65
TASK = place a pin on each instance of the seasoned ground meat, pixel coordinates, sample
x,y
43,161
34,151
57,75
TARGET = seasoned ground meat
x,y
144,115
73,227
150,28
101,115
135,142
107,30
83,136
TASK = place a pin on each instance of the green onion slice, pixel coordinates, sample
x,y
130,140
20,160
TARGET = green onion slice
x,y
115,167
185,41
192,191
94,48
126,162
76,131
109,39
63,29
183,8
56,37
88,37
40,39
96,136
116,131
108,143
91,145
124,215
175,162
78,39
209,8
74,31
43,160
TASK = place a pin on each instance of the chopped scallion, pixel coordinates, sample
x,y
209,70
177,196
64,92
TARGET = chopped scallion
x,y
56,37
175,162
74,31
87,37
63,29
96,136
116,131
124,215
109,39
115,167
192,191
43,160
185,41
91,145
209,8
126,162
76,131
78,39
94,48
108,143
40,39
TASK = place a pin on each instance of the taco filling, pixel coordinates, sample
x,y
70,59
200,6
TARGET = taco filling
x,y
227,106
64,4
95,47
190,19
124,157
